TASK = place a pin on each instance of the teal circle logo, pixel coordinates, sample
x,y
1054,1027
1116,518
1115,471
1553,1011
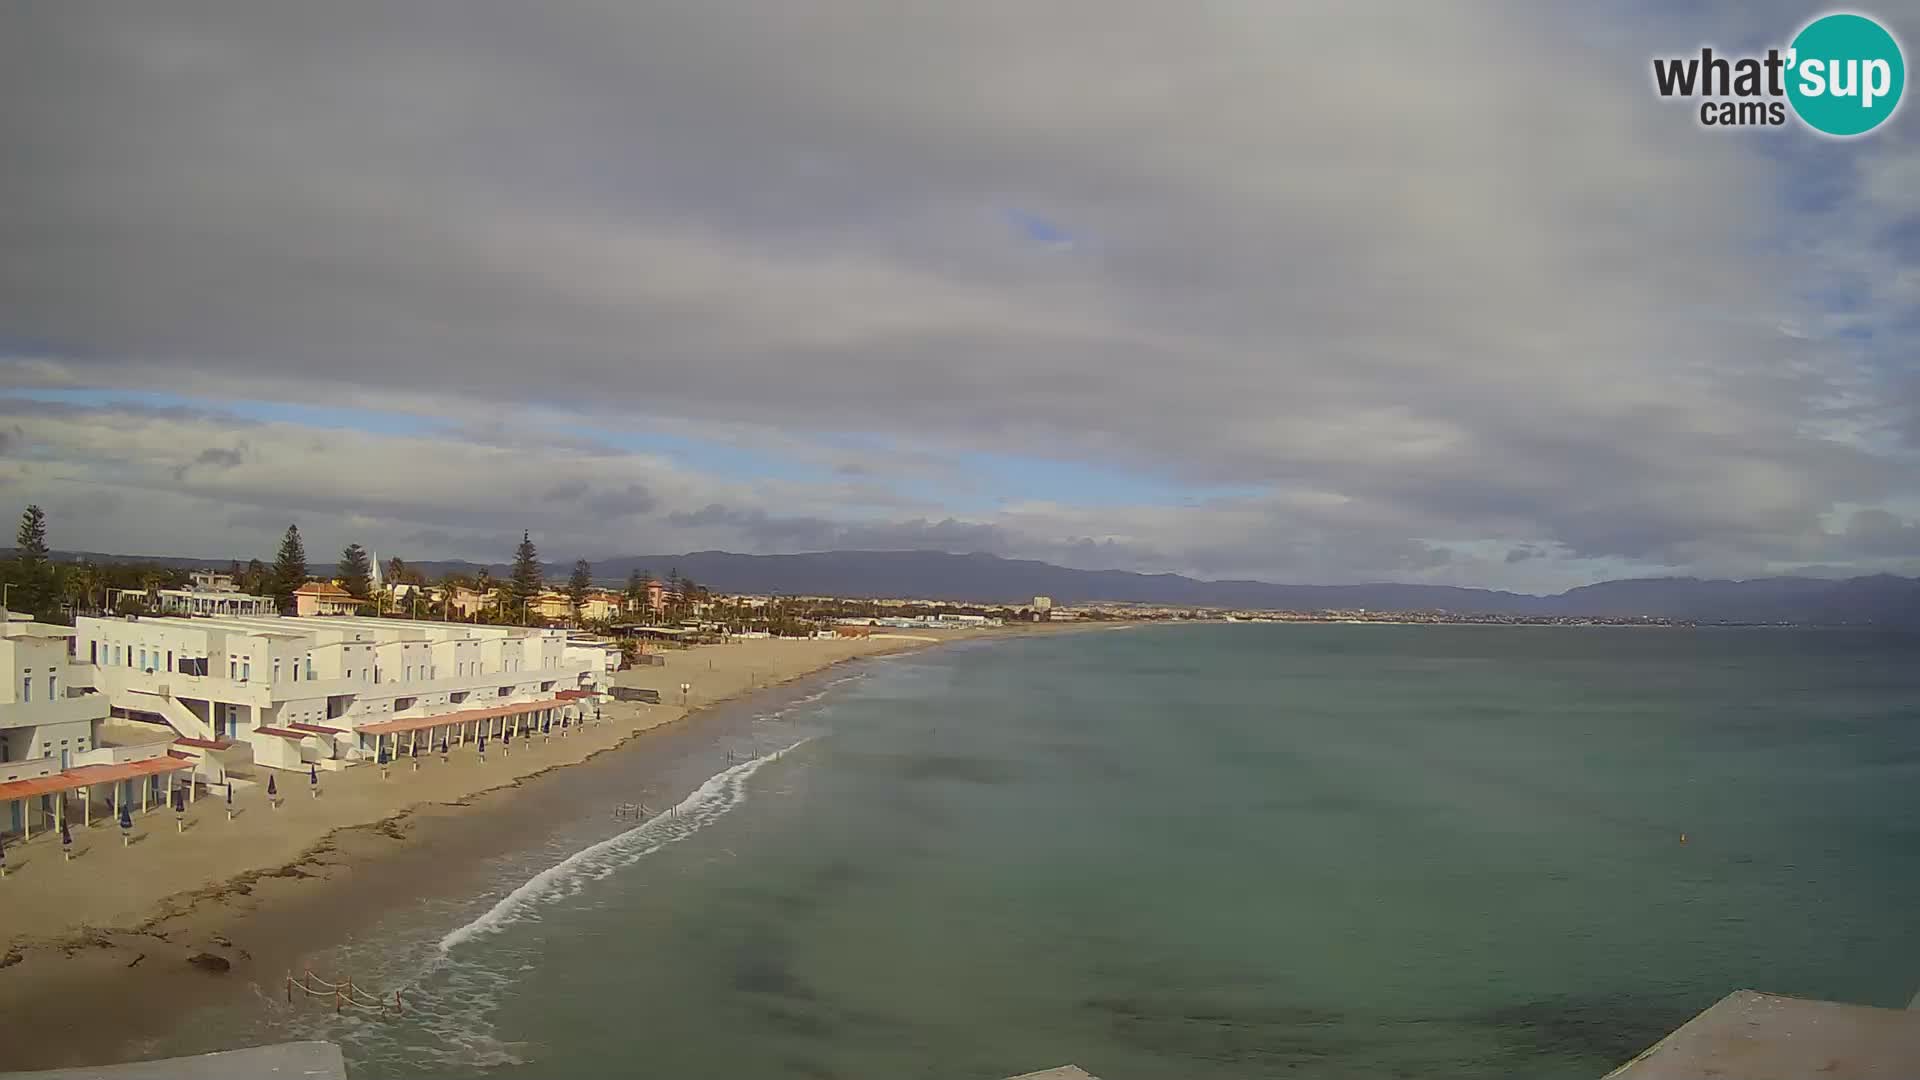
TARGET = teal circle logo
x,y
1846,74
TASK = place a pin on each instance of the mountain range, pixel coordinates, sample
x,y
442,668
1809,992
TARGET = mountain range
x,y
1883,599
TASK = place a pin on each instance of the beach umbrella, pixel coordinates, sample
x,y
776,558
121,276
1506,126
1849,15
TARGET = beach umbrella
x,y
3,857
126,824
313,775
66,841
271,790
382,759
229,793
546,725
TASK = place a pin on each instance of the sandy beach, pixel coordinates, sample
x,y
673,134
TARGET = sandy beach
x,y
121,939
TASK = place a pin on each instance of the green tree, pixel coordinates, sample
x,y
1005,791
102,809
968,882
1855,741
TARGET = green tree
x,y
254,578
290,568
35,586
578,585
356,572
526,574
672,596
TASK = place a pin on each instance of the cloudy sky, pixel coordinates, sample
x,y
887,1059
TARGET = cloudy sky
x,y
1335,293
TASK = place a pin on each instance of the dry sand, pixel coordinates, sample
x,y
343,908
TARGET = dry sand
x,y
79,934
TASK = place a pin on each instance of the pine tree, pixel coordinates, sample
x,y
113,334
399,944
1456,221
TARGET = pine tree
x,y
672,597
36,591
397,572
256,580
290,568
526,574
579,585
356,572
636,591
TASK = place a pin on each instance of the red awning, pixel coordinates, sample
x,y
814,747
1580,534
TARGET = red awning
x,y
281,732
318,729
416,723
573,695
89,775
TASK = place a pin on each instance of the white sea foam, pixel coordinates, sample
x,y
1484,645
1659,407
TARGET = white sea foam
x,y
721,793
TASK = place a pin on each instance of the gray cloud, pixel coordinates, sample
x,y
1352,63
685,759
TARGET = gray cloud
x,y
1418,316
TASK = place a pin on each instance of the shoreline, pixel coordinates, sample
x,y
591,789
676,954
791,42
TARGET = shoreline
x,y
355,856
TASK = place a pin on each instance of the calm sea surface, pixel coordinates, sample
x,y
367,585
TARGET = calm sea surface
x,y
1198,852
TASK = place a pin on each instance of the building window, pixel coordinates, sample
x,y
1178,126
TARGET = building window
x,y
246,669
143,659
93,652
26,689
233,668
53,688
276,671
169,659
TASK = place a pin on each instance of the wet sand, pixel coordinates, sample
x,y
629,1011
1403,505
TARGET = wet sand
x,y
99,961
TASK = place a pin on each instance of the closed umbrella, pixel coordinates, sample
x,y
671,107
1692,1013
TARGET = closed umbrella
x,y
126,824
66,841
273,793
313,780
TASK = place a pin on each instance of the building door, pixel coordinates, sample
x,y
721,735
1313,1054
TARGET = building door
x,y
219,720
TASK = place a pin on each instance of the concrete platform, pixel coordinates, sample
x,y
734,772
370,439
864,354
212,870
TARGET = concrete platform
x,y
1064,1072
285,1061
1756,1036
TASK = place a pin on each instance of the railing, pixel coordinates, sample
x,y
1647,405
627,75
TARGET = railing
x,y
344,995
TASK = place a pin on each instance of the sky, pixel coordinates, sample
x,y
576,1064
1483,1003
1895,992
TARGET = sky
x,y
1311,293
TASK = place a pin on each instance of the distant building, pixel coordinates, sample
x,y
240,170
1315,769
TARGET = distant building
x,y
1043,603
602,606
323,598
463,602
210,581
549,604
200,600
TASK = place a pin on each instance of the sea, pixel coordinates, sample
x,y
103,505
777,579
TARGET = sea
x,y
1184,853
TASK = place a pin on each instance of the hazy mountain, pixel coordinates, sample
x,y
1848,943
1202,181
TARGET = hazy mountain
x,y
1882,599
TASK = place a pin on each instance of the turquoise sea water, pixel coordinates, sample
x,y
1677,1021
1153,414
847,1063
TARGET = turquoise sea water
x,y
1206,851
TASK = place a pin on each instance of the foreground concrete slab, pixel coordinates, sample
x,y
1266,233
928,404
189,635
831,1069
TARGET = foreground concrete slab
x,y
286,1061
1064,1072
1756,1036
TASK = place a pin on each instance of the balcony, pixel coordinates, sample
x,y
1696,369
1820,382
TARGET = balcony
x,y
62,711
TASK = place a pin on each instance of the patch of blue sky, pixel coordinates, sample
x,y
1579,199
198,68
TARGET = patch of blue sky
x,y
1037,229
378,421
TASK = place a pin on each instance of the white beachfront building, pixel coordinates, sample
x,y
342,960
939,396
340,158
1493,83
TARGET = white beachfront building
x,y
50,745
330,691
